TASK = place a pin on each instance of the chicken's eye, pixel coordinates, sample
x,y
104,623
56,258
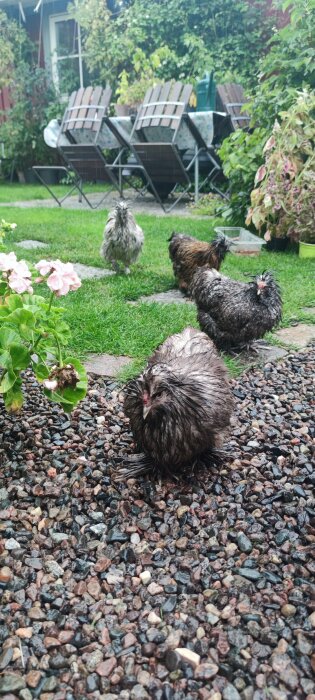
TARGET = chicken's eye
x,y
157,393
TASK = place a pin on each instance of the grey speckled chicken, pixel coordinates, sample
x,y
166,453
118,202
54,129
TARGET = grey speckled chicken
x,y
233,313
180,406
123,238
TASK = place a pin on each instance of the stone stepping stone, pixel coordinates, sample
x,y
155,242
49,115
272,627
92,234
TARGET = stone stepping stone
x,y
173,296
309,310
299,335
262,354
29,244
86,272
106,365
269,353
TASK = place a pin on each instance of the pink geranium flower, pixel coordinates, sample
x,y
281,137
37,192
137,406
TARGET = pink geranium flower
x,y
19,284
63,279
44,267
20,278
7,261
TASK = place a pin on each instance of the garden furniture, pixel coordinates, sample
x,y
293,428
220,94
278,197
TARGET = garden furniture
x,y
164,132
231,99
77,143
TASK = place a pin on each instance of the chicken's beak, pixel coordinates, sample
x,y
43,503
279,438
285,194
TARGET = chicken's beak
x,y
146,410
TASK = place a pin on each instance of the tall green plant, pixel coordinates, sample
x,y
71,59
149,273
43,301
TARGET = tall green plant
x,y
15,46
241,154
288,66
283,201
228,37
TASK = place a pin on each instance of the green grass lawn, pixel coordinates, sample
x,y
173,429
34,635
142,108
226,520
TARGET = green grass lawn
x,y
16,192
99,314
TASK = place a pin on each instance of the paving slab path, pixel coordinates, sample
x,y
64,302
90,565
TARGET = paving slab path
x,y
300,335
105,365
87,272
139,205
172,296
30,244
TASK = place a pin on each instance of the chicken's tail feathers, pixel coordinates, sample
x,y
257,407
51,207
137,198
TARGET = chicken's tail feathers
x,y
133,466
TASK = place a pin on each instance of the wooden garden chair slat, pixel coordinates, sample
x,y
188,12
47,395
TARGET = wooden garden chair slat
x,y
84,107
231,98
164,93
171,109
147,108
104,102
101,99
74,110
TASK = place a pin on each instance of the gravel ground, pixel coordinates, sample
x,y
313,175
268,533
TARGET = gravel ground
x,y
101,583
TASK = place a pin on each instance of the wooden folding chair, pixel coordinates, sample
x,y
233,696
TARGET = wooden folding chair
x,y
231,99
77,143
153,139
157,125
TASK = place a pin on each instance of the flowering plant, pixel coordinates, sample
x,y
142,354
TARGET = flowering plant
x,y
283,202
32,332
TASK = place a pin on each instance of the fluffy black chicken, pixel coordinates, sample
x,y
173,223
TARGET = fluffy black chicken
x,y
180,406
123,238
187,254
232,313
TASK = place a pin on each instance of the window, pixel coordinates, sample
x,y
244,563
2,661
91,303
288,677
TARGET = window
x,y
68,69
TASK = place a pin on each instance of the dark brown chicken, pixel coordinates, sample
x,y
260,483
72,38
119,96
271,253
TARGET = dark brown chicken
x,y
187,254
180,406
233,313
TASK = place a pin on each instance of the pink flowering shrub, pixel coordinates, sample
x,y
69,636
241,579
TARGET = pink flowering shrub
x,y
62,277
33,334
283,201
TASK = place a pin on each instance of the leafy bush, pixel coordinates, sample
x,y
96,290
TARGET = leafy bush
x,y
15,46
226,37
145,69
22,132
283,203
240,153
33,100
288,65
32,332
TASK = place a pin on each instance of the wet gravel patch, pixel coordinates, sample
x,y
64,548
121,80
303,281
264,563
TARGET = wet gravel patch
x,y
202,588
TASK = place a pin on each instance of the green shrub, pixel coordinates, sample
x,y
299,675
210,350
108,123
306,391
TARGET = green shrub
x,y
283,201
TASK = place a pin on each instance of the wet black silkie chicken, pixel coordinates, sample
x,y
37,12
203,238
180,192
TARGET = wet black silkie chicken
x,y
187,254
233,313
179,407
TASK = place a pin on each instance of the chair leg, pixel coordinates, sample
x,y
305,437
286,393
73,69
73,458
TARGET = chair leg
x,y
37,168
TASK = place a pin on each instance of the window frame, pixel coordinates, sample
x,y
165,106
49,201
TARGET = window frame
x,y
55,57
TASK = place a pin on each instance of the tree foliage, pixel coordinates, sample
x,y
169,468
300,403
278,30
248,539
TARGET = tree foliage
x,y
14,48
194,35
288,67
31,93
289,64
